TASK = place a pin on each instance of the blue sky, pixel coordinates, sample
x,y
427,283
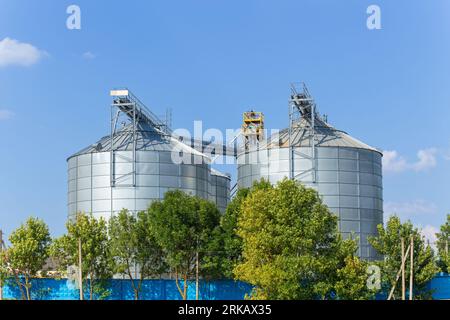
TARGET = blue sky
x,y
212,60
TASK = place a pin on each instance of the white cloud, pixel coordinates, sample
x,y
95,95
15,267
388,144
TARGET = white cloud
x,y
13,52
427,159
429,232
393,162
6,114
409,209
446,154
89,55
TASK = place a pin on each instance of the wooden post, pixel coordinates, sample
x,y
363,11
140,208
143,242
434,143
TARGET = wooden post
x,y
411,270
80,270
391,294
196,276
403,270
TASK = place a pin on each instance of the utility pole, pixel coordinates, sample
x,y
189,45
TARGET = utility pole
x,y
80,270
403,270
411,271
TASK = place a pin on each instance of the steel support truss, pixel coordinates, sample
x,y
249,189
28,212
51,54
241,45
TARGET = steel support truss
x,y
302,106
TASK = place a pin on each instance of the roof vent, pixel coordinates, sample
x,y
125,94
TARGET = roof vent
x,y
98,147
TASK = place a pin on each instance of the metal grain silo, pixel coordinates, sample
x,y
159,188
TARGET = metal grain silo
x,y
346,172
219,189
137,163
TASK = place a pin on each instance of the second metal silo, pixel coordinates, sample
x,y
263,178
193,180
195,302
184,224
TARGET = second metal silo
x,y
346,172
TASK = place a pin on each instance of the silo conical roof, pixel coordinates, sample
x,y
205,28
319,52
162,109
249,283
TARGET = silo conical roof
x,y
325,136
147,139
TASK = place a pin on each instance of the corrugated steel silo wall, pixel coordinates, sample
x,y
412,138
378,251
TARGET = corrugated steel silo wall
x,y
348,179
90,191
219,191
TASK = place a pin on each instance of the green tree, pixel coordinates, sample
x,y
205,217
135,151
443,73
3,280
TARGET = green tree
x,y
135,249
352,280
232,243
443,243
97,262
388,243
4,270
28,253
291,247
186,226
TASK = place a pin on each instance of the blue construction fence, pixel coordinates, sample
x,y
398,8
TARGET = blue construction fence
x,y
440,286
54,289
117,289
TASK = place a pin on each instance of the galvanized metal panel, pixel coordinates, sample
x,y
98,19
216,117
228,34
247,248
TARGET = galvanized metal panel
x,y
331,201
72,197
327,164
303,164
366,166
327,176
84,160
147,180
188,171
83,183
120,204
169,169
147,193
369,227
349,214
84,195
84,171
84,206
101,193
263,156
348,177
202,187
277,166
72,185
123,193
348,165
188,182
348,189
72,163
331,153
101,205
103,169
101,157
367,191
101,181
349,202
147,168
148,157
367,178
328,189
169,181
346,153
72,173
